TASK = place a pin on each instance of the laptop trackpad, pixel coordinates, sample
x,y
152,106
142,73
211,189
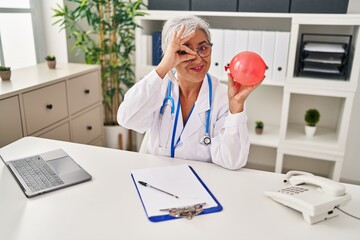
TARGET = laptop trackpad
x,y
63,165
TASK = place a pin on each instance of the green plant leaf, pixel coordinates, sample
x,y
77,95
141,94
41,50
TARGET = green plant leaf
x,y
114,57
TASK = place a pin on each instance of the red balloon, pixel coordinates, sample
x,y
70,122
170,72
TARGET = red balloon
x,y
247,68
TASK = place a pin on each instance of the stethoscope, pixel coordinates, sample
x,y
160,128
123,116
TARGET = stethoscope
x,y
169,102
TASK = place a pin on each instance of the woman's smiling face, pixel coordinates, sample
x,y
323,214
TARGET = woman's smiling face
x,y
196,69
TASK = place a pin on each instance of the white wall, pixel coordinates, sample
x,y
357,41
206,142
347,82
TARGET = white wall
x,y
351,166
354,6
55,40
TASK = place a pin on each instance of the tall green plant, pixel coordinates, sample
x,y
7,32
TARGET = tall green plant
x,y
109,40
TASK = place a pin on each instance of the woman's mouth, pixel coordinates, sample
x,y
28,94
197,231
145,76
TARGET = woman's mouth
x,y
197,68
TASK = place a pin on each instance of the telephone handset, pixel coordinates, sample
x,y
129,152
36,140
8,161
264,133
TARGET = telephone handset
x,y
295,173
316,197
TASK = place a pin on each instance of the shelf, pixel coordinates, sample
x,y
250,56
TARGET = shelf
x,y
324,137
264,104
331,129
342,27
312,165
269,137
322,84
261,158
282,100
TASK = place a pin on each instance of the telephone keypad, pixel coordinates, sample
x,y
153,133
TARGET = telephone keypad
x,y
293,190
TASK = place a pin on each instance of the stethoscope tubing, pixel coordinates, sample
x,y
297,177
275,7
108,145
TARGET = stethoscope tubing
x,y
206,140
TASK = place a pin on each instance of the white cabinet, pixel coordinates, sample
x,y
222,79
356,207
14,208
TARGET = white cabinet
x,y
62,103
83,91
10,120
45,106
281,101
61,132
88,126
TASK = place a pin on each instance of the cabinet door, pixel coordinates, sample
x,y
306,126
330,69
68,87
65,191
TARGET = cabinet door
x,y
88,126
10,121
45,106
84,91
61,132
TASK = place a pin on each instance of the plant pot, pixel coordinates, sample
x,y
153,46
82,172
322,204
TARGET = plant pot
x,y
310,131
51,64
116,137
259,131
5,75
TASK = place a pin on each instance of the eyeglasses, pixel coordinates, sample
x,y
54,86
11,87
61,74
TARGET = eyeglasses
x,y
204,50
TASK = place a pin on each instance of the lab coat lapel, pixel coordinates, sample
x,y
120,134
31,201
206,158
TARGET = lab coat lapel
x,y
180,123
197,119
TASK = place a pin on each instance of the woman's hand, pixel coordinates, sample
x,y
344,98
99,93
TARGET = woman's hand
x,y
172,57
238,93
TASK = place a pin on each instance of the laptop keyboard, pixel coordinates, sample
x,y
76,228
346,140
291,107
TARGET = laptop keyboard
x,y
36,173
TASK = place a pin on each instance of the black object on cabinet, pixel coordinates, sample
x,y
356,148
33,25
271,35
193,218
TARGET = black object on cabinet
x,y
180,5
214,5
319,6
280,6
324,56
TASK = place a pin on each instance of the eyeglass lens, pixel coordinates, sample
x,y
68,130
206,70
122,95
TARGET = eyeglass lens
x,y
204,50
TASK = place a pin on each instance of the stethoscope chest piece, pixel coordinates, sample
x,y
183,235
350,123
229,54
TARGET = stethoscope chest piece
x,y
206,140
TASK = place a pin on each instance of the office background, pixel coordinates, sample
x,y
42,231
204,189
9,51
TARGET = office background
x,y
56,42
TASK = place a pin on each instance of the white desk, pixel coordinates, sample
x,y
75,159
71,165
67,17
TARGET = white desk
x,y
108,207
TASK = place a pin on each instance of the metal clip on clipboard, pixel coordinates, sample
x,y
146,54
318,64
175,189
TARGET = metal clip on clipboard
x,y
187,212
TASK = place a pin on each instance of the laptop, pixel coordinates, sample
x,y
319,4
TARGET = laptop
x,y
46,172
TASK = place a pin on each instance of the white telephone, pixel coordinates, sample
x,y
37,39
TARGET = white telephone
x,y
316,197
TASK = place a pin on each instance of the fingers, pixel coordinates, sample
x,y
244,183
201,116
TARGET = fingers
x,y
179,40
230,81
233,87
258,84
229,76
178,51
186,38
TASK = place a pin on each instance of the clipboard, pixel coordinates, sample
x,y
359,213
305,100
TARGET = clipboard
x,y
181,180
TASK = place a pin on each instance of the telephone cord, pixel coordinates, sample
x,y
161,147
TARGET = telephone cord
x,y
358,218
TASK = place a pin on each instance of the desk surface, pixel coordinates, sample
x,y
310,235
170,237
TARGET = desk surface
x,y
108,207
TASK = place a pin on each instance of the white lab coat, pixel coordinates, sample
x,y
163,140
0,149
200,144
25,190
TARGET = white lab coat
x,y
230,144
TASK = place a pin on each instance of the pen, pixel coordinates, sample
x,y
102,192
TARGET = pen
x,y
148,185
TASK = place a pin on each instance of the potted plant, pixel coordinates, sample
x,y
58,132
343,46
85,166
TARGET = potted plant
x,y
312,117
51,61
259,127
108,40
5,73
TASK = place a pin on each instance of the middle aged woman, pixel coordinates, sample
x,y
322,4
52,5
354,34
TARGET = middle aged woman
x,y
186,112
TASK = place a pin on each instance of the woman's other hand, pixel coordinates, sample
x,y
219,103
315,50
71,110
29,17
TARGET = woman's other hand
x,y
238,93
176,52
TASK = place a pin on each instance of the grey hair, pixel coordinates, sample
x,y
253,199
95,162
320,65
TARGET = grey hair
x,y
190,23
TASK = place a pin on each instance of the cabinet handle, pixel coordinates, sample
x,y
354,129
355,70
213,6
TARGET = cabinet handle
x,y
87,91
49,106
279,68
216,64
89,128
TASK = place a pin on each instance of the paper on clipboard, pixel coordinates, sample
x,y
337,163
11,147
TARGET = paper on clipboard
x,y
180,180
